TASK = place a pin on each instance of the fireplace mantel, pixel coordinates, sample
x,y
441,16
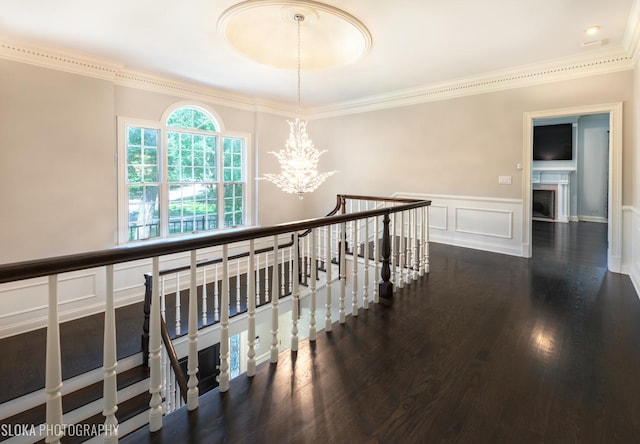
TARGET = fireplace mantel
x,y
560,177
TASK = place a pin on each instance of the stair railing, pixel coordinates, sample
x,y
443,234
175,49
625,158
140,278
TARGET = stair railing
x,y
55,266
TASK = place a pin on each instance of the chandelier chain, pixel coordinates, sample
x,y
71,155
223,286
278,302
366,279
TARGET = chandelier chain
x,y
299,18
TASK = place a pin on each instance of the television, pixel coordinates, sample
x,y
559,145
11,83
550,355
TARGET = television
x,y
553,142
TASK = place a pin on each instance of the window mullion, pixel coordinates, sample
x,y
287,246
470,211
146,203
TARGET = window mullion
x,y
164,186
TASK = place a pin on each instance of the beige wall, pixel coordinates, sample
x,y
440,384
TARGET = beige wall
x,y
58,146
57,163
454,147
58,171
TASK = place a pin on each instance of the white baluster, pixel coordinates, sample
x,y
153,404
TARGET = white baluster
x,y
167,382
216,298
237,286
408,250
415,244
266,278
224,322
426,245
274,302
422,239
312,286
343,272
296,296
204,296
376,259
394,251
178,315
258,280
401,251
155,346
365,285
350,227
110,364
282,276
192,360
163,307
53,377
251,310
354,284
291,270
327,320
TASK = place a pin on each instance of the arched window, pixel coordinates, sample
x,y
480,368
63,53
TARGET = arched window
x,y
183,175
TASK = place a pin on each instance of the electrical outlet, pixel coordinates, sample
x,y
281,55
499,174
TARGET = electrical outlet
x,y
504,180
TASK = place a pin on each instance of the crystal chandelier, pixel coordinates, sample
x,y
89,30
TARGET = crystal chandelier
x,y
299,159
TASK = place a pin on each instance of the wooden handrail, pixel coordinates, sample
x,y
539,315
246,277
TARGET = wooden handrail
x,y
173,358
246,253
62,264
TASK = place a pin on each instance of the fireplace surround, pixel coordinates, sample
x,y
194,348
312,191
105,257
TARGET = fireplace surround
x,y
554,182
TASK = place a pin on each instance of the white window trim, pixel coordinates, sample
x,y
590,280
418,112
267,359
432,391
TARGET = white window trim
x,y
122,195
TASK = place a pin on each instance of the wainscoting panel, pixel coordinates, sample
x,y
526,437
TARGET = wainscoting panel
x,y
631,244
83,293
489,224
483,222
438,219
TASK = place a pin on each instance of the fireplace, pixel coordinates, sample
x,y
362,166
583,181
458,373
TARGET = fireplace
x,y
544,204
551,185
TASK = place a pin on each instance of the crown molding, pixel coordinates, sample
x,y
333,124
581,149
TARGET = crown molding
x,y
631,37
595,63
54,58
527,75
58,60
190,90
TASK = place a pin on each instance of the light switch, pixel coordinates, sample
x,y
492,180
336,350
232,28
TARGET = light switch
x,y
504,180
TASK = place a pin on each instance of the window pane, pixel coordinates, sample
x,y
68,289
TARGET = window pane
x,y
233,204
191,118
192,207
151,156
144,212
134,136
134,174
142,155
150,137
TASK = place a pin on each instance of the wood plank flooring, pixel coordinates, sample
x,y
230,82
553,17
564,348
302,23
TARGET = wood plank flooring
x,y
487,348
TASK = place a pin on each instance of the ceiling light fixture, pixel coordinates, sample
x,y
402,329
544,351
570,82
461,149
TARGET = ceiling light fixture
x,y
299,159
592,30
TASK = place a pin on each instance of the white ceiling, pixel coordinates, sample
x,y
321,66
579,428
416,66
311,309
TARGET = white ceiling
x,y
416,43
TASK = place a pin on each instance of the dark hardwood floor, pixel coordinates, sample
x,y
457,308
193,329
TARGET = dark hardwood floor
x,y
487,348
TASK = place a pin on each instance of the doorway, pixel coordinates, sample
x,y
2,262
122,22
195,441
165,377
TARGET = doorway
x,y
614,188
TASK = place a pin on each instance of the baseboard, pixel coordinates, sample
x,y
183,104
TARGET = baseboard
x,y
476,245
600,220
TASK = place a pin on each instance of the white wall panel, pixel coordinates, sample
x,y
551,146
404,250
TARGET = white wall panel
x,y
491,224
484,222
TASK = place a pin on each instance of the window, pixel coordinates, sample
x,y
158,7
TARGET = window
x,y
183,175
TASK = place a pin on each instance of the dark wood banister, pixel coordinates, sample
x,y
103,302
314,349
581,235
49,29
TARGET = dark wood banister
x,y
61,264
73,262
245,254
173,358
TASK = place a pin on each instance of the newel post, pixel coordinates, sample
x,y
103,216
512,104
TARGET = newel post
x,y
148,285
385,286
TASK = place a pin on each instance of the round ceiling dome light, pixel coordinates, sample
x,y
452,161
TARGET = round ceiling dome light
x,y
266,31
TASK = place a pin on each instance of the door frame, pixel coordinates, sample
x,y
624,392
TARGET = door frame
x,y
614,206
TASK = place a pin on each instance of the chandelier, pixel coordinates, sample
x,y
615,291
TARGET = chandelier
x,y
299,158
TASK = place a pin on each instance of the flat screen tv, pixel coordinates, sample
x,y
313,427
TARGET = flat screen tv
x,y
553,142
